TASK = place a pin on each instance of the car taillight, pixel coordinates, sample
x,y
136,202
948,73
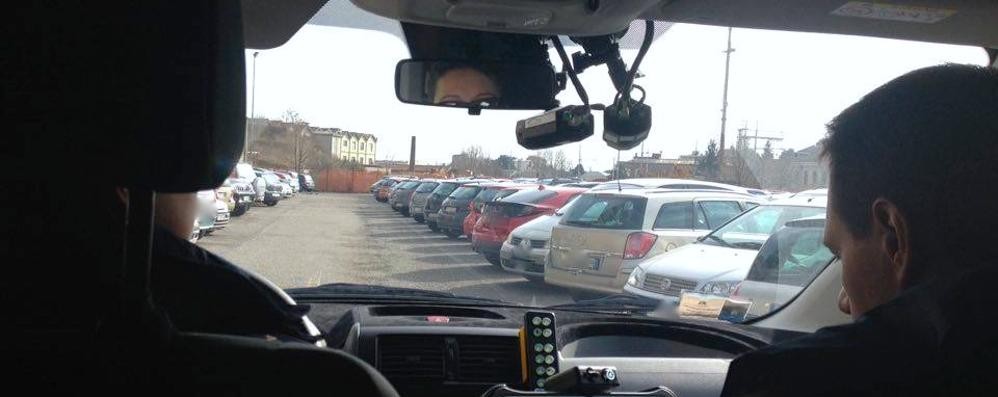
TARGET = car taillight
x,y
638,244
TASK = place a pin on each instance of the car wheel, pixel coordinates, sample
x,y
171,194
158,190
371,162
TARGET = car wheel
x,y
433,226
239,210
404,212
452,234
494,260
270,203
418,219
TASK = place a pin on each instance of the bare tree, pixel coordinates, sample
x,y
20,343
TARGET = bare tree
x,y
560,163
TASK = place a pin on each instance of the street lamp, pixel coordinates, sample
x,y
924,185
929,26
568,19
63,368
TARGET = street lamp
x,y
252,106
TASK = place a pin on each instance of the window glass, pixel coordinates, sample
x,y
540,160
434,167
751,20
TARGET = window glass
x,y
718,212
607,212
677,215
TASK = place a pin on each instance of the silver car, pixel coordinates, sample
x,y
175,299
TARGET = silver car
x,y
418,200
719,261
525,251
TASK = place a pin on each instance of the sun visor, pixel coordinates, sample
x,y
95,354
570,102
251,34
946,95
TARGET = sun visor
x,y
148,96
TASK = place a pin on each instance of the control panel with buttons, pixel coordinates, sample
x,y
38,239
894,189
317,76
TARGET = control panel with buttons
x,y
541,348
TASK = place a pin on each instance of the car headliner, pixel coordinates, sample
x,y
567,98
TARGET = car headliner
x,y
270,23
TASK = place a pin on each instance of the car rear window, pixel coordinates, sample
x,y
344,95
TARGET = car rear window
x,y
445,188
607,212
426,187
529,196
465,192
487,195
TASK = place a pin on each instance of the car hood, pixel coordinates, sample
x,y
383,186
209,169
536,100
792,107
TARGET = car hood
x,y
538,228
702,262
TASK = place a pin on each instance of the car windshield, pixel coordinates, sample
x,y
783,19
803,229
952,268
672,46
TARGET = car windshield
x,y
330,89
752,228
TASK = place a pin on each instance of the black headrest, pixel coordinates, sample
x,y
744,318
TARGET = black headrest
x,y
142,94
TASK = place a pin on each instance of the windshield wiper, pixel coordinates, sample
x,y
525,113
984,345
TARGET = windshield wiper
x,y
354,292
719,240
619,303
749,245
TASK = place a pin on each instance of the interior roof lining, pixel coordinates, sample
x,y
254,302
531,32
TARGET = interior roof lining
x,y
270,23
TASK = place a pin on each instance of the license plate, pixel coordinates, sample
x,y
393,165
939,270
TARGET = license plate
x,y
595,262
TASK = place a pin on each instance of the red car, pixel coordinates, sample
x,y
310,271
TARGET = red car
x,y
501,217
489,194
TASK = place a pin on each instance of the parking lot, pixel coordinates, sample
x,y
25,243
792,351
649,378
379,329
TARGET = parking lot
x,y
321,238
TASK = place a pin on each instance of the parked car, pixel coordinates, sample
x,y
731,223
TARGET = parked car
x,y
450,218
274,189
431,211
290,180
606,234
401,196
245,173
501,217
417,202
227,195
557,181
789,260
717,262
244,196
222,215
207,211
525,251
385,189
669,183
488,194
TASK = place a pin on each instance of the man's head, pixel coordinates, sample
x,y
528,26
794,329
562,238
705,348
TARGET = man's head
x,y
913,175
465,85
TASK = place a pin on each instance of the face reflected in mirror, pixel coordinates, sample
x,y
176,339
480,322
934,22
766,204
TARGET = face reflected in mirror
x,y
464,86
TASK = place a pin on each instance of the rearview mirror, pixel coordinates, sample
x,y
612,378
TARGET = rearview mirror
x,y
476,85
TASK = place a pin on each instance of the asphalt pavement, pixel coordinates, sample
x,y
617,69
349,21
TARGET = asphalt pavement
x,y
319,238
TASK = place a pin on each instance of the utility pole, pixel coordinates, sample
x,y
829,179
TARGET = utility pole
x,y
724,108
252,108
412,154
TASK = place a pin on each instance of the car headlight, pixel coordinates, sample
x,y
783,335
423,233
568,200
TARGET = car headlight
x,y
637,277
718,288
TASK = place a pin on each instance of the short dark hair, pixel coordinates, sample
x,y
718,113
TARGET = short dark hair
x,y
928,142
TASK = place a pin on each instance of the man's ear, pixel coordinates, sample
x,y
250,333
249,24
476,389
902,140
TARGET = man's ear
x,y
896,237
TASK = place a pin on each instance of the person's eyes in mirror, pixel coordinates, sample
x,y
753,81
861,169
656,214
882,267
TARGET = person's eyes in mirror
x,y
467,87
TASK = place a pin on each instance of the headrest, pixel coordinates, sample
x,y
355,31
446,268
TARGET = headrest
x,y
141,94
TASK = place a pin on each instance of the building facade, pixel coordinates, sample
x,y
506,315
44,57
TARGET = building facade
x,y
350,146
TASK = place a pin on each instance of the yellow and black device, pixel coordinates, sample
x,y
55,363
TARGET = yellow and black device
x,y
539,348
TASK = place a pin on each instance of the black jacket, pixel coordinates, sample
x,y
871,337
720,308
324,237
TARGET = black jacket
x,y
938,339
201,292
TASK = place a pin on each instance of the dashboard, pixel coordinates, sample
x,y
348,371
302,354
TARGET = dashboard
x,y
444,350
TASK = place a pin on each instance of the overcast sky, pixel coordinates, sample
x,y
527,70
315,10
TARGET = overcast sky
x,y
789,84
